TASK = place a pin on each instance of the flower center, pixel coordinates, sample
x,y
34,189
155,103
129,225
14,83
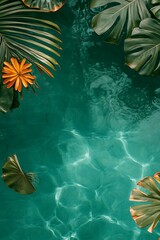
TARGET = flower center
x,y
19,74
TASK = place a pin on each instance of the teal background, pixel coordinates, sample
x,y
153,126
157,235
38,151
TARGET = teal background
x,y
90,134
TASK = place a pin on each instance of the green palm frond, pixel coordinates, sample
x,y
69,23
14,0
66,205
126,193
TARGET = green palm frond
x,y
23,34
30,37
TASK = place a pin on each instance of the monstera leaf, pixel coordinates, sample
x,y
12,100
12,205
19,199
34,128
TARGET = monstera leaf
x,y
156,8
117,15
156,11
149,213
142,48
16,179
47,5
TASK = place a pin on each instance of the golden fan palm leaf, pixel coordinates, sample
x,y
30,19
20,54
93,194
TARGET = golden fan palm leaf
x,y
149,213
46,5
15,178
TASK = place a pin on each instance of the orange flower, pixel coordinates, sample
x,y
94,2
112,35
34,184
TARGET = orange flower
x,y
16,74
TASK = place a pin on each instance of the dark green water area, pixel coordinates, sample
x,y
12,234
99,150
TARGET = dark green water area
x,y
90,134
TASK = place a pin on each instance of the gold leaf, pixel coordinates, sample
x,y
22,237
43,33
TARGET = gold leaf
x,y
15,178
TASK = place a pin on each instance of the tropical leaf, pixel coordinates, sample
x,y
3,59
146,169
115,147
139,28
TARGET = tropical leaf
x,y
156,11
46,5
156,8
155,1
149,213
118,16
6,98
28,37
16,179
157,177
142,48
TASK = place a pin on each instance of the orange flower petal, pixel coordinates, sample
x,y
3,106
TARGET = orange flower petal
x,y
15,64
10,79
17,83
28,80
10,84
7,80
8,70
21,67
27,65
9,65
29,76
26,71
25,84
9,75
20,86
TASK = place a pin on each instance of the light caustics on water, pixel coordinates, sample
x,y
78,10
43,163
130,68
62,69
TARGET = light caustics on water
x,y
122,139
85,194
85,174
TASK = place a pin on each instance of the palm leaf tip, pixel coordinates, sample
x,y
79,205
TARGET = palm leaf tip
x,y
133,196
44,69
148,213
15,178
157,177
133,213
138,196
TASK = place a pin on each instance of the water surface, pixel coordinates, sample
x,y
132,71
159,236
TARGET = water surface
x,y
90,134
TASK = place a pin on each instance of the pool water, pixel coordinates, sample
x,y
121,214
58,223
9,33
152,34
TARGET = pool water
x,y
90,134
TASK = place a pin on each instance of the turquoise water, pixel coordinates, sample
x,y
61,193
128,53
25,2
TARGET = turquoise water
x,y
90,134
